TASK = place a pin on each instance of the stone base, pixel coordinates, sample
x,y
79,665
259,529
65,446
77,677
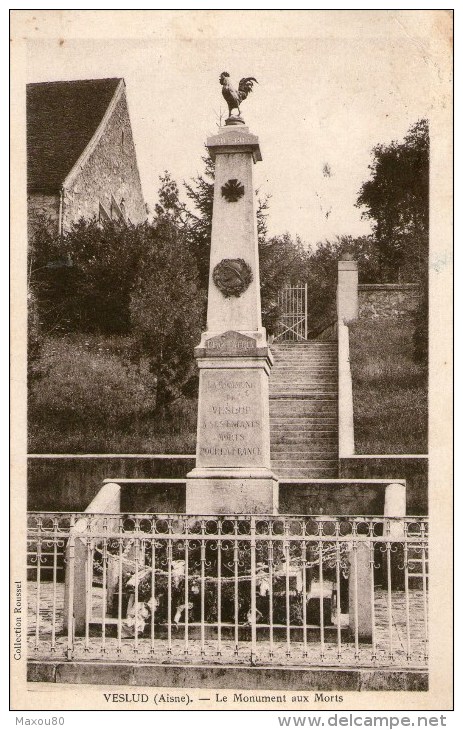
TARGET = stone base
x,y
353,679
238,492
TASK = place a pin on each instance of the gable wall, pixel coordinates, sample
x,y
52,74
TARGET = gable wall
x,y
111,169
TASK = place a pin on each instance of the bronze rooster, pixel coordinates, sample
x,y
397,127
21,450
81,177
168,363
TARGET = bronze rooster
x,y
231,95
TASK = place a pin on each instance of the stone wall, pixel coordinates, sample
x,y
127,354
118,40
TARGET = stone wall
x,y
414,469
381,301
110,171
42,206
69,483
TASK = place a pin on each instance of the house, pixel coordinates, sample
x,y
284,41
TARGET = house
x,y
81,160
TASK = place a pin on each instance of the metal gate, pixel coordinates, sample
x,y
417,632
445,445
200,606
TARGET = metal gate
x,y
292,302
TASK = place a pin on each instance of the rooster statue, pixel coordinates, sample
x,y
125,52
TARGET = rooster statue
x,y
234,97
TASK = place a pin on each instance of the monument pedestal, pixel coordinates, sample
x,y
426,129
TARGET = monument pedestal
x,y
232,473
232,492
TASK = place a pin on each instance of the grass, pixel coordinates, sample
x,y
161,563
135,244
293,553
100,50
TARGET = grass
x,y
91,398
390,389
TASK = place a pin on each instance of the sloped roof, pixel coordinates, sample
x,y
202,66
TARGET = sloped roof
x,y
62,117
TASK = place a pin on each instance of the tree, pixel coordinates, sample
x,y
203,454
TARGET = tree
x,y
281,261
396,198
166,308
83,280
199,222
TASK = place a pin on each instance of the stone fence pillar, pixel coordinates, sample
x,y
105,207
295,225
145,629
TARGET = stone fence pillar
x,y
347,297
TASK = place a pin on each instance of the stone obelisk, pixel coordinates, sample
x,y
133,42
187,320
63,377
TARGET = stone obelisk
x,y
232,473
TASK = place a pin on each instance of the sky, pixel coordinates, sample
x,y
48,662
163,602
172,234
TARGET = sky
x,y
326,96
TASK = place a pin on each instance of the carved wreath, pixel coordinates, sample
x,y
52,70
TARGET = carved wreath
x,y
232,277
233,190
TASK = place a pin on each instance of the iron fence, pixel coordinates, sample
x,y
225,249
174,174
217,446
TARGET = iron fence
x,y
278,590
292,303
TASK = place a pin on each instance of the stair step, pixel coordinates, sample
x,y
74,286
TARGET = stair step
x,y
303,388
301,383
288,429
282,405
308,473
328,442
305,355
305,368
302,463
299,420
321,429
326,396
303,410
313,451
322,359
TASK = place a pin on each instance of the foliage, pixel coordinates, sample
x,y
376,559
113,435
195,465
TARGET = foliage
x,y
396,197
420,334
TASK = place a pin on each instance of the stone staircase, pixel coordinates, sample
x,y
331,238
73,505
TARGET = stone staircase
x,y
304,410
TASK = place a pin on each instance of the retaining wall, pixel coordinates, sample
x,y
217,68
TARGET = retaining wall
x,y
381,301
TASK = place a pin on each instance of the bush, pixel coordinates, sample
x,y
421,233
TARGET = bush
x,y
93,399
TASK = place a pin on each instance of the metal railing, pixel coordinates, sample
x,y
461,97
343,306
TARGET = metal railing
x,y
271,590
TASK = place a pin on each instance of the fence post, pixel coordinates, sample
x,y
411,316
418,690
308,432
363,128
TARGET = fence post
x,y
395,505
360,608
253,616
305,310
107,501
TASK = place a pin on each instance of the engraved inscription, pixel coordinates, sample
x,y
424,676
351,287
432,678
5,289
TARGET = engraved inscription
x,y
231,343
230,425
232,140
